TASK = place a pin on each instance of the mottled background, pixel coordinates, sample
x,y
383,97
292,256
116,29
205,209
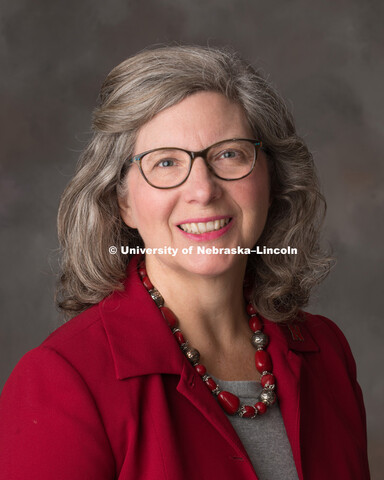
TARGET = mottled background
x,y
326,58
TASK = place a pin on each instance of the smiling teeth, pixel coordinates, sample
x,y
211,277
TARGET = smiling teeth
x,y
200,227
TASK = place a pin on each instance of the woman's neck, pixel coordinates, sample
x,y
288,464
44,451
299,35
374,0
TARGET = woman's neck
x,y
211,310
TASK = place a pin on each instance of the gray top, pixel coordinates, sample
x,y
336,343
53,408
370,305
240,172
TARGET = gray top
x,y
264,437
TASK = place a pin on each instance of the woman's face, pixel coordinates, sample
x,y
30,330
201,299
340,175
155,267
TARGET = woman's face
x,y
195,123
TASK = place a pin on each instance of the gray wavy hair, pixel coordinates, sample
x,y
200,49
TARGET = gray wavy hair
x,y
135,91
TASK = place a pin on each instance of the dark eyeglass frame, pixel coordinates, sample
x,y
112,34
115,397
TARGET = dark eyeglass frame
x,y
193,155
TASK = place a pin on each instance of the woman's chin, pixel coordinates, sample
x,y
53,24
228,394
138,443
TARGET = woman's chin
x,y
209,265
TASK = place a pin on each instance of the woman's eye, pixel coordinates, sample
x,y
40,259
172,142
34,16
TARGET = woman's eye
x,y
229,154
167,162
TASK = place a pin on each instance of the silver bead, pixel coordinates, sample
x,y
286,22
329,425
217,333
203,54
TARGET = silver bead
x,y
216,391
157,297
259,340
193,355
268,397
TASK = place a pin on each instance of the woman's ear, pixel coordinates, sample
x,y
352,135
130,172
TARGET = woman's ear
x,y
126,212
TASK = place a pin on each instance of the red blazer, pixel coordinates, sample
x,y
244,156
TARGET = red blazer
x,y
109,395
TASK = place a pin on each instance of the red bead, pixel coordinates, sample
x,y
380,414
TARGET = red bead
x,y
251,310
229,402
267,380
169,316
255,324
211,383
263,361
147,283
248,411
261,407
200,369
179,337
142,271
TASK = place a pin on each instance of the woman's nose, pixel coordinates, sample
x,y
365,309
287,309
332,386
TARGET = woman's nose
x,y
201,186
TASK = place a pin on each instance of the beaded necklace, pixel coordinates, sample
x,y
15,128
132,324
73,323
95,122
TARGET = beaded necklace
x,y
228,401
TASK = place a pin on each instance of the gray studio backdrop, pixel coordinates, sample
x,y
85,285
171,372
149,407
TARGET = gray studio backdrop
x,y
325,57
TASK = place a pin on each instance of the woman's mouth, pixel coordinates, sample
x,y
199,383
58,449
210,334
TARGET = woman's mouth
x,y
197,228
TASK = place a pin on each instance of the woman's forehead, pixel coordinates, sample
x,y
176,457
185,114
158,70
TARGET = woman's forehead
x,y
194,123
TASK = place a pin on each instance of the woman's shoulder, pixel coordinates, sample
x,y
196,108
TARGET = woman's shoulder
x,y
106,337
329,338
67,350
322,328
73,357
78,327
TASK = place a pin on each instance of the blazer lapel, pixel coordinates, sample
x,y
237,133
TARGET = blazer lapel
x,y
287,346
140,340
197,393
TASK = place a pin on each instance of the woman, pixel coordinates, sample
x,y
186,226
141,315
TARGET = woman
x,y
195,160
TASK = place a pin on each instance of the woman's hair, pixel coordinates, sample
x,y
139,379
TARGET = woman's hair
x,y
89,220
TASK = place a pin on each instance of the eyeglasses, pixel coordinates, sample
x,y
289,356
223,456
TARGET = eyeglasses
x,y
170,167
